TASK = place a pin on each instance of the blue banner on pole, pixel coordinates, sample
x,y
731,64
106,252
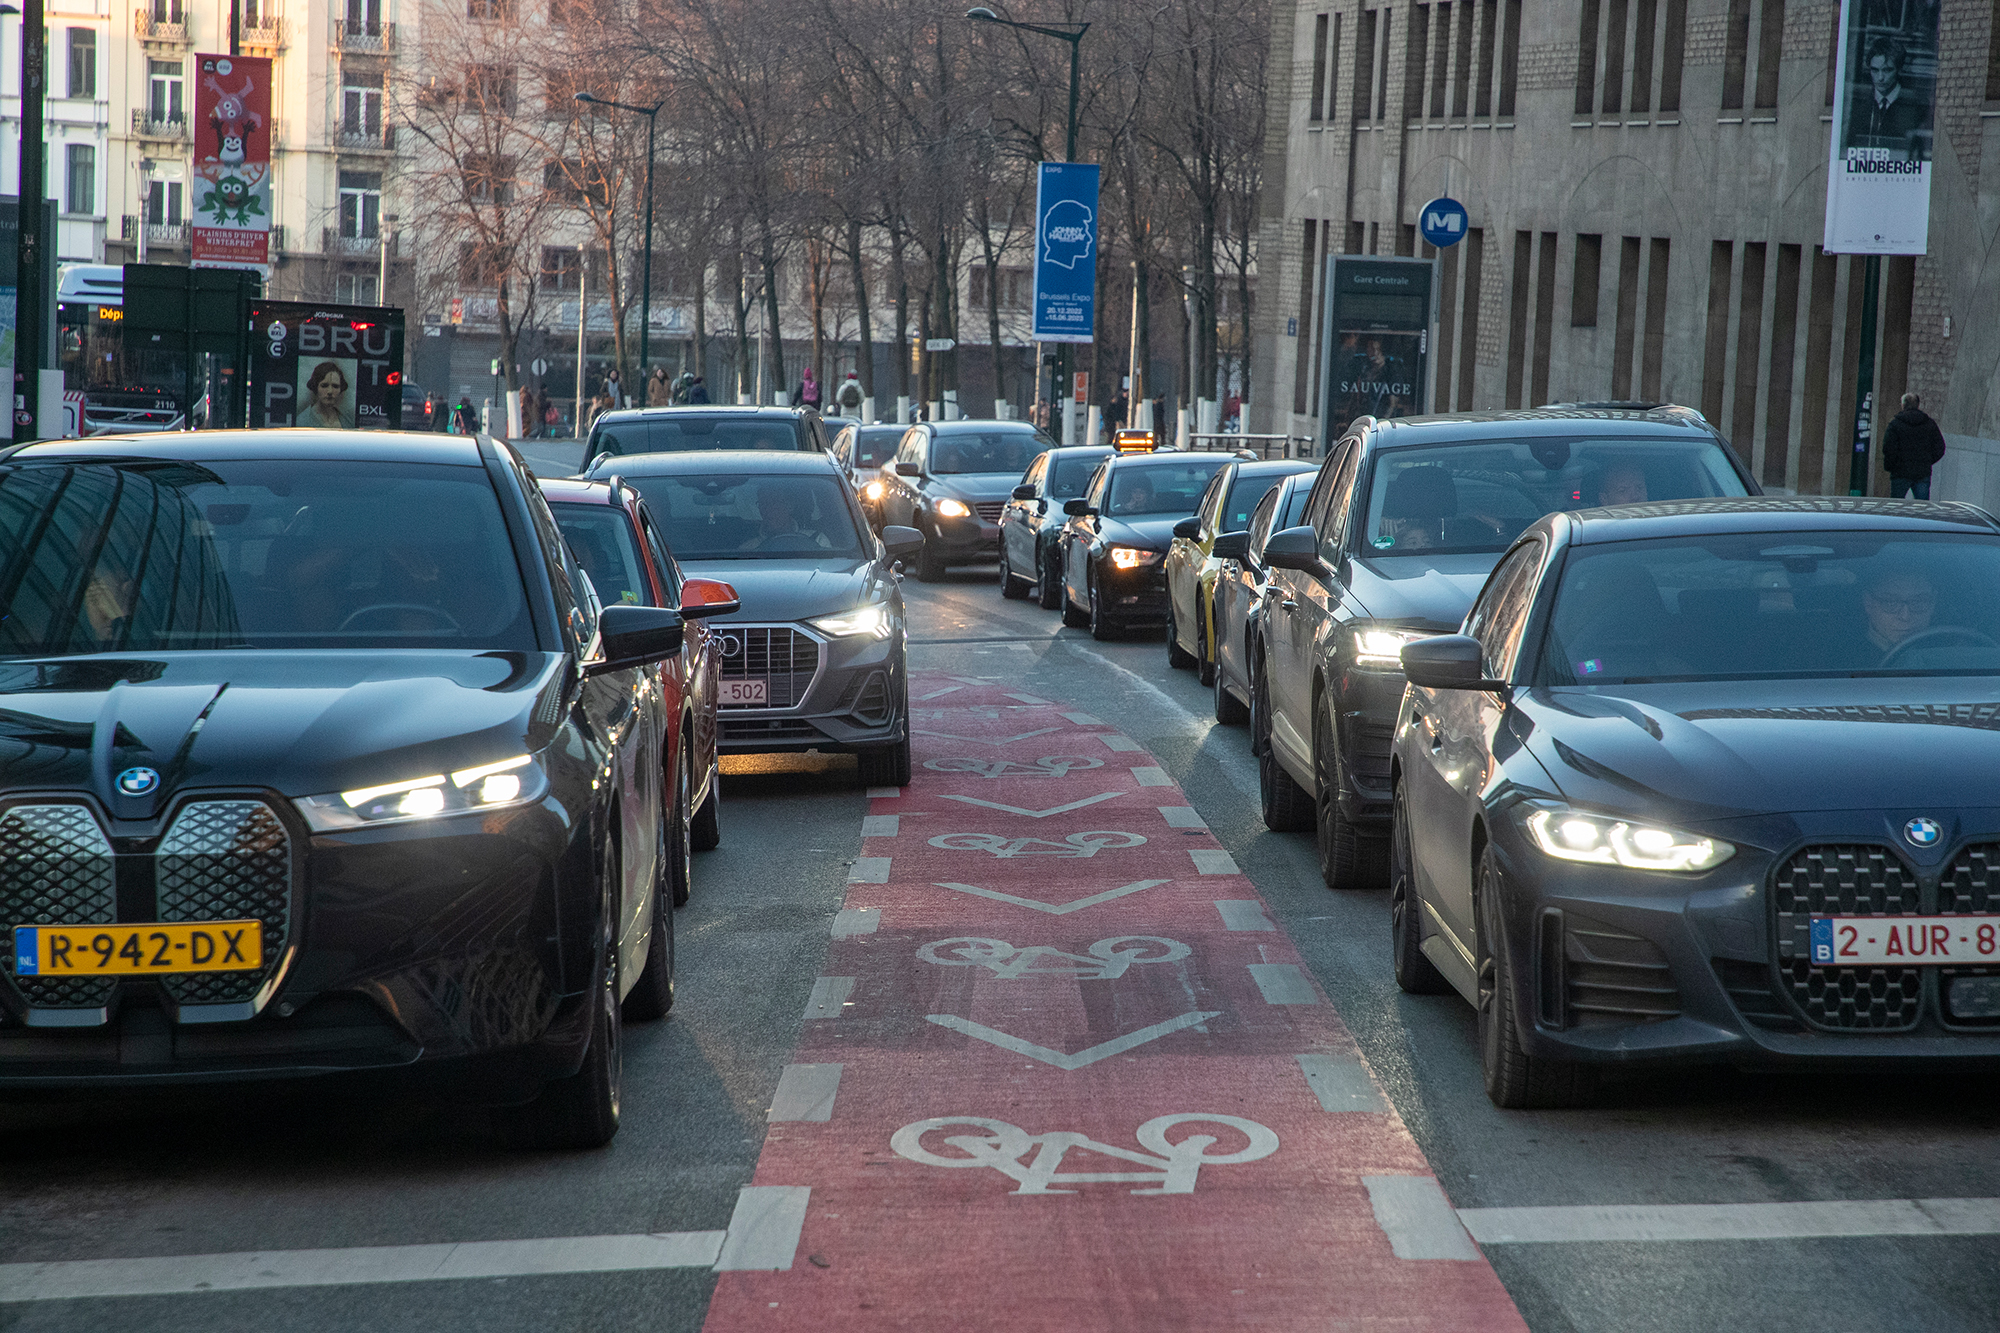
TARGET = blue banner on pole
x,y
1065,253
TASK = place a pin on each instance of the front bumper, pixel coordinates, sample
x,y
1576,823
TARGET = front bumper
x,y
854,695
1627,967
1136,596
963,540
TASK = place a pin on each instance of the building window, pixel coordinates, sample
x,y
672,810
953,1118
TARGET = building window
x,y
81,193
364,17
164,203
489,180
164,90
354,288
360,205
166,11
361,103
490,89
489,9
83,62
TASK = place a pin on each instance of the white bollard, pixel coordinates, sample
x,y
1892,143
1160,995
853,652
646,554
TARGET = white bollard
x,y
868,409
1095,430
1181,428
1002,412
902,410
951,412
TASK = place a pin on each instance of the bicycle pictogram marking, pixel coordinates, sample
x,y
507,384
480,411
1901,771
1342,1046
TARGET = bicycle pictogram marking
x,y
1107,961
1173,1167
1048,766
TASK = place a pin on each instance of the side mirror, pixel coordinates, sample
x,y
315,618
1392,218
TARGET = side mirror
x,y
900,541
1188,528
635,636
1294,548
1446,662
909,470
1025,491
701,598
1077,508
1231,546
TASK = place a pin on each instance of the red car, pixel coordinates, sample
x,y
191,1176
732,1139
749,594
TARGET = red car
x,y
626,557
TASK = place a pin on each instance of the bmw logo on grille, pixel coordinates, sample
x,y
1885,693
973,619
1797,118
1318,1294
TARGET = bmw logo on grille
x,y
138,781
1923,832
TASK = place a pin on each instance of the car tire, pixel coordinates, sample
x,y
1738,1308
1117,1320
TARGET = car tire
x,y
1101,627
1178,658
1051,588
884,766
1260,706
1348,858
652,996
930,565
1514,1079
680,834
1286,806
1415,974
581,1111
706,829
1204,654
1012,587
1229,710
1076,617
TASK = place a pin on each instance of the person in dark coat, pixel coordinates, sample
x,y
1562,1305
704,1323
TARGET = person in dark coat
x,y
1115,411
1911,447
1886,113
698,391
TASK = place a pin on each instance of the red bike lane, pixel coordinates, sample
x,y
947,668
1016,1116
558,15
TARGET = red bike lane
x,y
1062,1071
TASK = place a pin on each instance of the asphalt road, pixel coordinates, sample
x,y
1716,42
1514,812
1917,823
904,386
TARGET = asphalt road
x,y
286,1168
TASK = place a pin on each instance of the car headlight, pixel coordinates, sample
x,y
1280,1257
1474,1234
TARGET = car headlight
x,y
875,490
1381,649
1131,557
506,782
1573,835
872,619
953,509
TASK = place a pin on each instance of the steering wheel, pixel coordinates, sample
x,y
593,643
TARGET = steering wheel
x,y
399,606
1949,634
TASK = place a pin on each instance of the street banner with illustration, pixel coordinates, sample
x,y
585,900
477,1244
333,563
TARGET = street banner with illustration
x,y
1878,182
232,162
1065,253
330,367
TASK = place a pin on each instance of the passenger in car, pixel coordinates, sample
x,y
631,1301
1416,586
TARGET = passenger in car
x,y
1622,484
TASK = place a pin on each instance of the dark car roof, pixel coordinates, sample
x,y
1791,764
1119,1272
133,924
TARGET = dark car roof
x,y
698,410
1771,513
1076,450
1169,459
706,461
1285,467
371,446
979,424
1537,421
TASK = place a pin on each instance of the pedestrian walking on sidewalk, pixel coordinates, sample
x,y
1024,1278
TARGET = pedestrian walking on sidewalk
x,y
659,389
1911,447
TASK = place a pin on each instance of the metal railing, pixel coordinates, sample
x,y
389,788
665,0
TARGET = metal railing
x,y
170,234
358,139
172,28
333,243
146,125
366,37
1264,446
264,35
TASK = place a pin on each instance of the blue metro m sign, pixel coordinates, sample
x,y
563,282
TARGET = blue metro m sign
x,y
1442,221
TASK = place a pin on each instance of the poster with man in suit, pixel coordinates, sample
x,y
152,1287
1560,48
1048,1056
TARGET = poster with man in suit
x,y
1879,178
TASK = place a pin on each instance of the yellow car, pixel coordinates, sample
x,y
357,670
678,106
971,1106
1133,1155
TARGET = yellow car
x,y
1191,564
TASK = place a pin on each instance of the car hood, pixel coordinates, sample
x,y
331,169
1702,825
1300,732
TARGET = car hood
x,y
791,589
976,485
303,723
1154,532
1723,749
1430,592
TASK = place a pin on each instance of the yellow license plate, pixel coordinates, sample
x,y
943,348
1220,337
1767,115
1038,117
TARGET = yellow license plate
x,y
151,949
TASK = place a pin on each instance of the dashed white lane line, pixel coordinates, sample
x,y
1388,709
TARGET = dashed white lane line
x,y
1244,914
1283,983
1121,744
1419,1221
829,997
869,870
1029,699
1152,777
805,1092
1211,861
764,1229
1734,1221
1083,719
1341,1085
1182,816
851,921
936,694
880,826
884,793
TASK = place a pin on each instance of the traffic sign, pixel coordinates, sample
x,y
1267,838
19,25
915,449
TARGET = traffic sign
x,y
541,366
939,344
1442,221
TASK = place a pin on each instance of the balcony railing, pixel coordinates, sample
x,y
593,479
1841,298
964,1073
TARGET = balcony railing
x,y
366,37
333,243
145,125
265,35
358,139
173,235
169,29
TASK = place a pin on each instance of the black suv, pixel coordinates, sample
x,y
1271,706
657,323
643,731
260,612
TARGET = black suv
x,y
1405,521
672,430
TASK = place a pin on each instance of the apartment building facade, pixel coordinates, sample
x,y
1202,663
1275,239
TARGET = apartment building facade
x,y
1646,184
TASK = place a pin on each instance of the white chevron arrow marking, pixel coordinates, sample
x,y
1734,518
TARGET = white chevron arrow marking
x,y
1035,814
988,740
1059,909
1091,1055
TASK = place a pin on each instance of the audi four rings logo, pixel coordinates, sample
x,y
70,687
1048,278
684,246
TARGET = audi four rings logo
x,y
1923,832
138,781
731,645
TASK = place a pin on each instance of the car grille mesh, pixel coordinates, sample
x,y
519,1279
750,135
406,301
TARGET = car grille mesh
x,y
784,658
990,510
226,861
1613,976
1845,880
1972,883
56,868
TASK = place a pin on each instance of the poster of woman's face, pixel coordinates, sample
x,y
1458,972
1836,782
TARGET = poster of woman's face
x,y
326,392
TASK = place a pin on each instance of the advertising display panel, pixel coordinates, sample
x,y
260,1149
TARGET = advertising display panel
x,y
1065,253
332,367
1878,183
232,162
1377,345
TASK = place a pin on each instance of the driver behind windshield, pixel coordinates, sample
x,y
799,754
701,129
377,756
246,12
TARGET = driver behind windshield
x,y
1898,604
779,513
1134,496
1622,484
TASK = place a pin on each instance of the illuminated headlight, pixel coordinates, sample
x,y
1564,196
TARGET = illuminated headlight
x,y
1382,649
1131,557
513,781
953,509
875,490
873,619
1572,835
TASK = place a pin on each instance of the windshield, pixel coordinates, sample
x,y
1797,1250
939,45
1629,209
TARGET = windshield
x,y
1072,474
1776,605
602,541
961,451
1158,489
1246,490
155,555
874,446
755,516
660,435
1479,497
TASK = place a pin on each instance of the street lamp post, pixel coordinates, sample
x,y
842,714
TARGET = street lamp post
x,y
1073,34
652,115
389,220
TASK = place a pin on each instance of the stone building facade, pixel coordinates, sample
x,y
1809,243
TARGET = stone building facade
x,y
1646,181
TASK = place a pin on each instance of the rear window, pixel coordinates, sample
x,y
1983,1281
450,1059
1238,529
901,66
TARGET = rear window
x,y
875,446
663,435
601,538
954,452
